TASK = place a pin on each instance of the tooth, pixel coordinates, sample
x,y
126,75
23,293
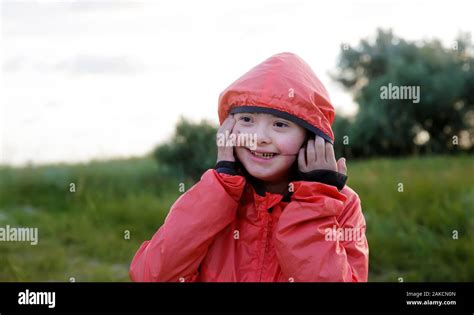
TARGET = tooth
x,y
263,155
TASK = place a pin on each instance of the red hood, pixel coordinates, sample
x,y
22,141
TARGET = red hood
x,y
284,84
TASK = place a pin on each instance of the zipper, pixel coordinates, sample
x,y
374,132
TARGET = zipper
x,y
267,234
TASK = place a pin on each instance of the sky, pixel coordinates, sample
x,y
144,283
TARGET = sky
x,y
84,80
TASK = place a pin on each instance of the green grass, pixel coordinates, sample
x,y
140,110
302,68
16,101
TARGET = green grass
x,y
81,233
410,233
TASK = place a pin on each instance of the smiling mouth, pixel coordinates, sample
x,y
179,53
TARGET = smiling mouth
x,y
263,155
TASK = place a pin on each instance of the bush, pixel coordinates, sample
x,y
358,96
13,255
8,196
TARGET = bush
x,y
191,151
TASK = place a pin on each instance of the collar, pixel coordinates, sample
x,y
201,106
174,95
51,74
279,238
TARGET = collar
x,y
259,186
259,189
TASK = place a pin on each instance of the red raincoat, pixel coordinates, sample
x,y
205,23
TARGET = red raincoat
x,y
221,229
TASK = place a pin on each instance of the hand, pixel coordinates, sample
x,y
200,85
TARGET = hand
x,y
225,150
319,155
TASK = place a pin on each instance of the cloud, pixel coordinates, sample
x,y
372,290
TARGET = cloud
x,y
91,64
13,64
49,18
103,4
79,65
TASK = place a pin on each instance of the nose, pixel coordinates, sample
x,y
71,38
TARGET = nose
x,y
262,134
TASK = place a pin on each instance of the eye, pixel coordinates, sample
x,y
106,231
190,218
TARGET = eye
x,y
281,124
245,118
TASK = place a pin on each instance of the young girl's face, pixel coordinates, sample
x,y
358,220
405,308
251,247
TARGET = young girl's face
x,y
274,135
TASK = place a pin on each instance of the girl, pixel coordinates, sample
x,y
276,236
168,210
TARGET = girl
x,y
275,211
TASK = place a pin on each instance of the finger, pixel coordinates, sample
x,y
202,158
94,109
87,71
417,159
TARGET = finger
x,y
310,153
225,130
228,123
320,149
301,160
330,158
232,119
341,166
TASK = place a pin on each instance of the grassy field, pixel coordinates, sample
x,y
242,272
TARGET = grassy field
x,y
83,234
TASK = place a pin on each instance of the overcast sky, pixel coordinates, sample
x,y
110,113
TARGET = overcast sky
x,y
101,79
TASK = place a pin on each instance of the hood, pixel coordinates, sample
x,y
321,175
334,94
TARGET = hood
x,y
283,85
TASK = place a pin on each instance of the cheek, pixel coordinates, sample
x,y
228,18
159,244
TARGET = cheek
x,y
289,146
239,152
243,156
286,162
239,128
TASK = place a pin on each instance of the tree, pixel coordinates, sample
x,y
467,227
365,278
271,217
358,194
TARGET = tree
x,y
191,151
400,125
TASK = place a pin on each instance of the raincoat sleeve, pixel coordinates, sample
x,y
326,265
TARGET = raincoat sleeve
x,y
181,243
320,235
